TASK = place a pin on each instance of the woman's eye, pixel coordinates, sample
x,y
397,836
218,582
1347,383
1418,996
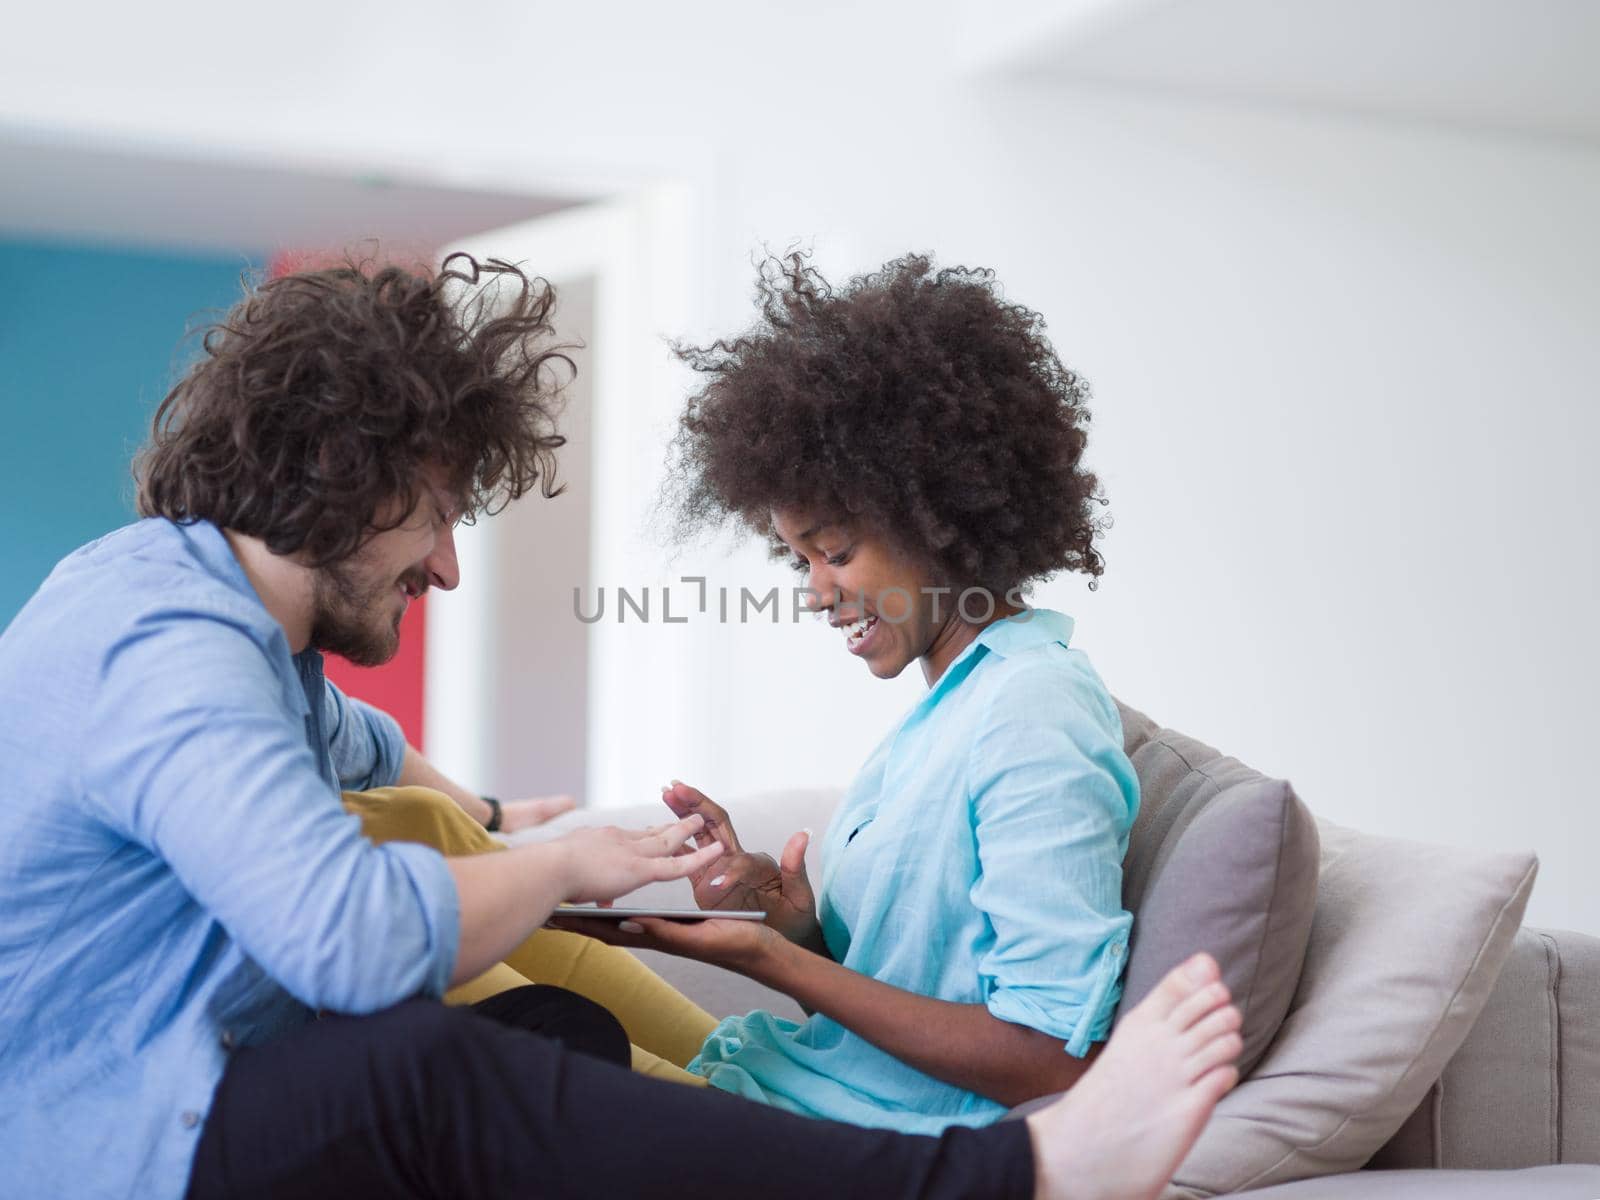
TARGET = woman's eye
x,y
800,565
839,560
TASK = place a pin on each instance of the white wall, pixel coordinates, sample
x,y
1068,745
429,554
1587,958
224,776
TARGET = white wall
x,y
534,684
1345,382
1345,370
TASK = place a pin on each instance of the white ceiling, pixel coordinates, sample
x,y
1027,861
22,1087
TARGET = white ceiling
x,y
84,192
1525,66
175,143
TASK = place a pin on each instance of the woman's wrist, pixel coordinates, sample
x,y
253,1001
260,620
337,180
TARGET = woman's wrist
x,y
476,808
814,942
490,813
777,962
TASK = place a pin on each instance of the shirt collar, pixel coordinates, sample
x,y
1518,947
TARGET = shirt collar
x,y
1030,628
210,546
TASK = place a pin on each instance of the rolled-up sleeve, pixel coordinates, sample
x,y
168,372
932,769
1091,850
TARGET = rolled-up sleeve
x,y
366,744
196,754
1053,798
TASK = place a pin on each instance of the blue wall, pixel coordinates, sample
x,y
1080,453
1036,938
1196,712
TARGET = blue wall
x,y
90,341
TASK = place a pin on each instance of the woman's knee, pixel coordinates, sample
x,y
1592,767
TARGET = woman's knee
x,y
419,814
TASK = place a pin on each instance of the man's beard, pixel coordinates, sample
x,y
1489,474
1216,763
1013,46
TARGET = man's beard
x,y
350,617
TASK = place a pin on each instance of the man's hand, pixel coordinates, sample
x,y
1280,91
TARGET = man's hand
x,y
753,882
600,863
535,810
505,897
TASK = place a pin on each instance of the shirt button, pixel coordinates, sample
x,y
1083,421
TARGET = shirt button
x,y
1116,950
227,1039
189,1120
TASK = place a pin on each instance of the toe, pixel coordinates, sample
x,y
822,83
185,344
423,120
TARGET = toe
x,y
1215,1084
1199,1005
1180,983
1214,1024
1218,1052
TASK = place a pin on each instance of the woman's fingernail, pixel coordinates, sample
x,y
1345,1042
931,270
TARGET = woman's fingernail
x,y
630,927
717,882
807,832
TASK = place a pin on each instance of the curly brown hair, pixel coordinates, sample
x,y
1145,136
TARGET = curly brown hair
x,y
322,394
914,402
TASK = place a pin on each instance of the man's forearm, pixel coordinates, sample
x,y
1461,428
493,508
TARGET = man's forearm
x,y
962,1044
416,771
503,898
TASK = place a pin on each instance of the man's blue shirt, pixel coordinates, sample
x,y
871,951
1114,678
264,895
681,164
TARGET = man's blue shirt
x,y
177,874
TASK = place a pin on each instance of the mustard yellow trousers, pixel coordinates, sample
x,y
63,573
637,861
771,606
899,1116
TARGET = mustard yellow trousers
x,y
665,1027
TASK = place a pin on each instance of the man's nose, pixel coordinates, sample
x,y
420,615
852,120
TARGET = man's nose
x,y
443,570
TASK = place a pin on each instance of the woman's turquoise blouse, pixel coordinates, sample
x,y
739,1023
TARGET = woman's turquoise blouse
x,y
976,858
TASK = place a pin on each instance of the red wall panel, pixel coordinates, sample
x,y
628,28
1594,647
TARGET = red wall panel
x,y
395,687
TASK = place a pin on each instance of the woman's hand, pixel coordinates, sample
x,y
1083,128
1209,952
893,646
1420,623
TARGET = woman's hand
x,y
742,946
535,810
751,882
601,863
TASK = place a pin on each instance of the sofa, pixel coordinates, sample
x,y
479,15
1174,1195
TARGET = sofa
x,y
1405,1036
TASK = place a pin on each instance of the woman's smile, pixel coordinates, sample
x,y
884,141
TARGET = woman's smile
x,y
859,635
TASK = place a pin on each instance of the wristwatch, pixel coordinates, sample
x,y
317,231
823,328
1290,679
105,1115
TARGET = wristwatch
x,y
493,825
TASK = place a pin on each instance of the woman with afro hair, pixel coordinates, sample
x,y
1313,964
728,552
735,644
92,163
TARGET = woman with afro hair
x,y
912,444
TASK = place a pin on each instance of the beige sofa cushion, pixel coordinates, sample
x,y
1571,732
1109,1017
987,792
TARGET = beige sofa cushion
x,y
1407,944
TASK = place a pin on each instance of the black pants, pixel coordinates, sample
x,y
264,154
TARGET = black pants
x,y
512,1098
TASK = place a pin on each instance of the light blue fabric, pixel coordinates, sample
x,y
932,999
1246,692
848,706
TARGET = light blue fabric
x,y
976,858
175,866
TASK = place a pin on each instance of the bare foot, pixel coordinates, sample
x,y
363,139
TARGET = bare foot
x,y
1120,1132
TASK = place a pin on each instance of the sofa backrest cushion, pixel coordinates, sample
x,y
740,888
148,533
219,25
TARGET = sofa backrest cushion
x,y
1221,859
1524,1089
1407,944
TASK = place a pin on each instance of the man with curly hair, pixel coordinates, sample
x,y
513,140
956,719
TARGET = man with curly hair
x,y
186,897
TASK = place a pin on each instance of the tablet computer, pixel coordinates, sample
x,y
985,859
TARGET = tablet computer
x,y
592,912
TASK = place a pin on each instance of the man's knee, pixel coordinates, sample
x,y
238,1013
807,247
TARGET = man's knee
x,y
578,1023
